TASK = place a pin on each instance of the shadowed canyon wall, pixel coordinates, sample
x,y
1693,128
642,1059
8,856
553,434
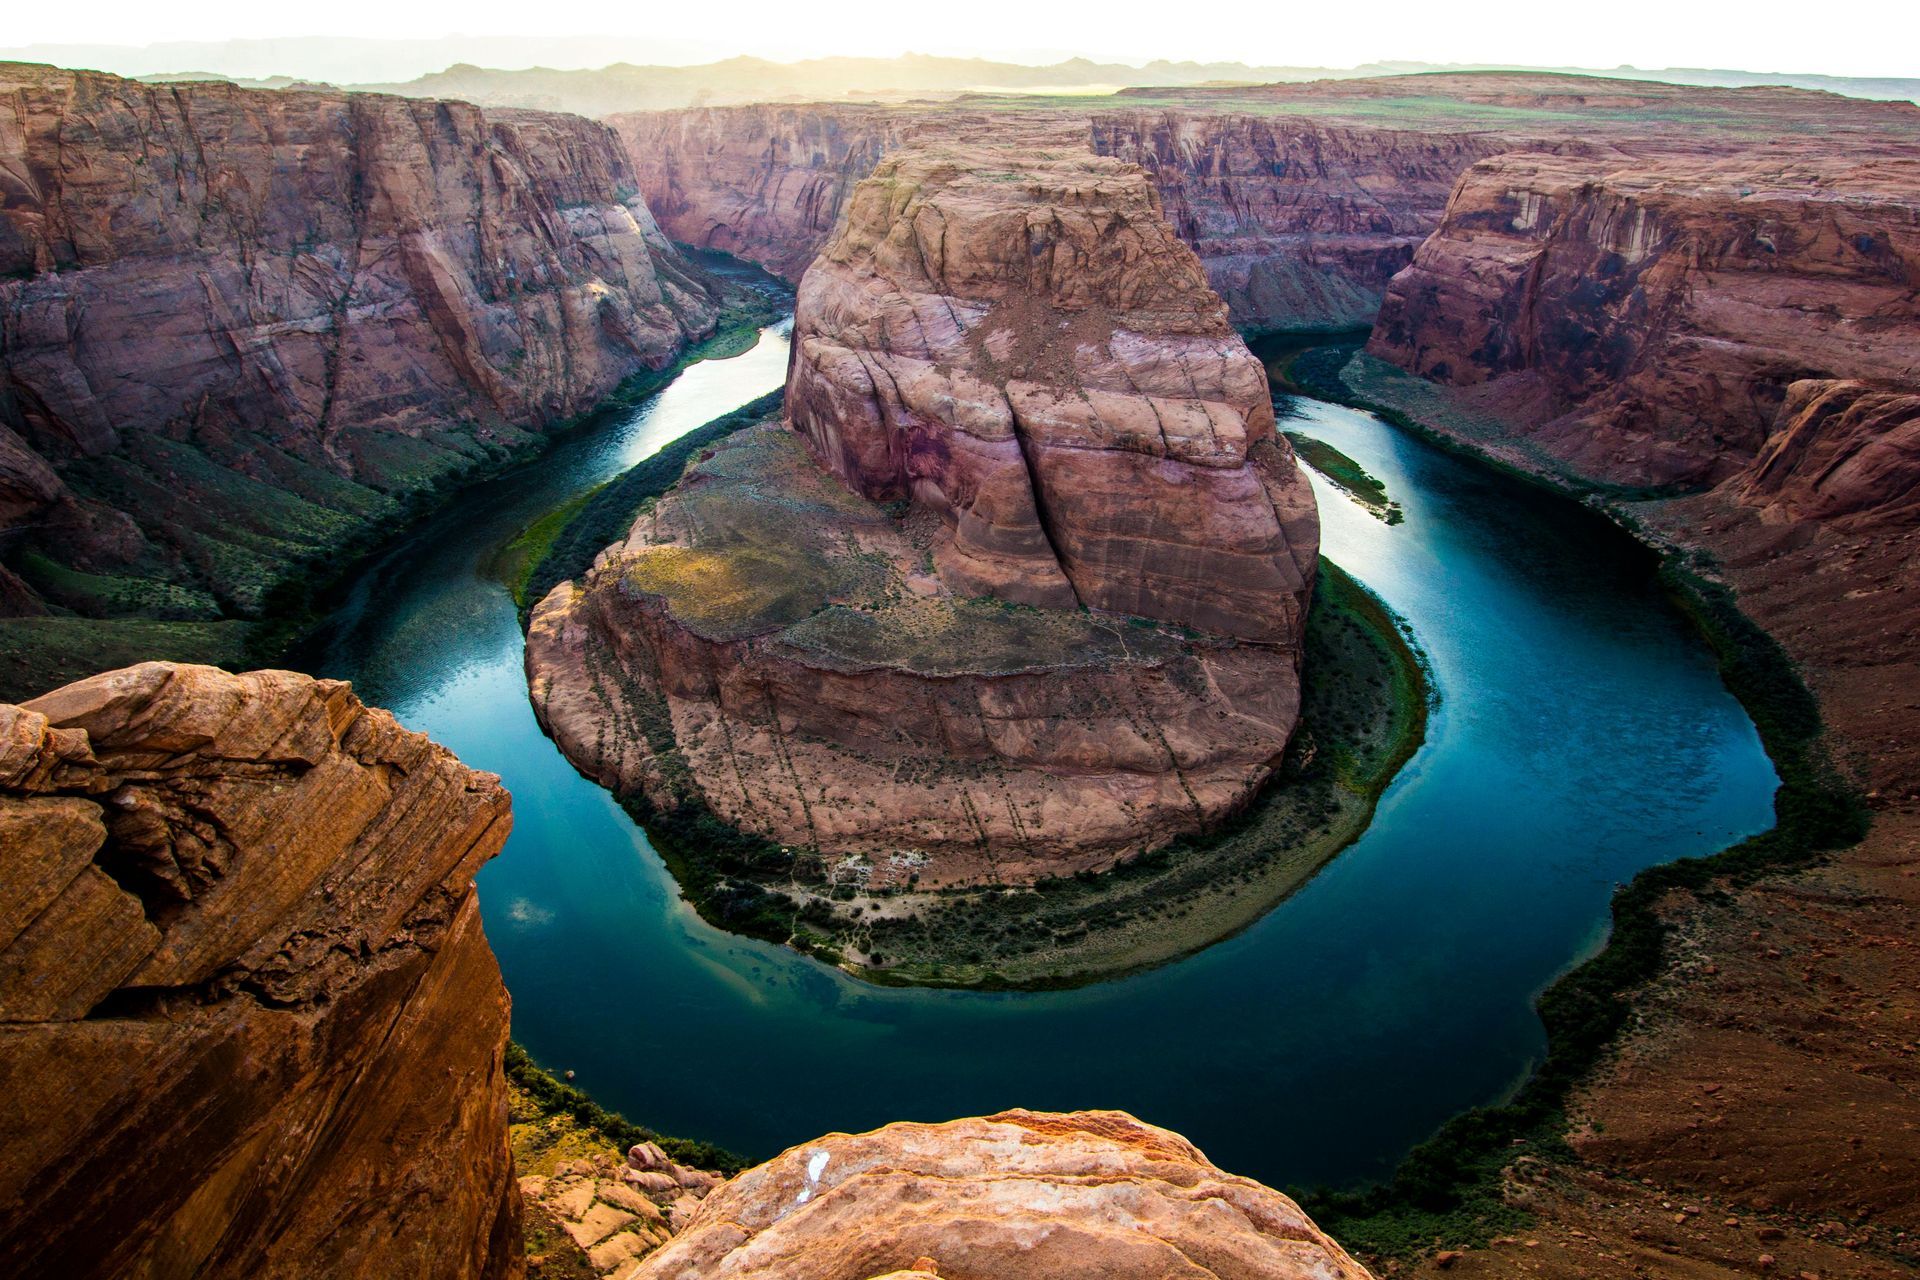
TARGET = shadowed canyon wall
x,y
239,327
1299,226
1653,311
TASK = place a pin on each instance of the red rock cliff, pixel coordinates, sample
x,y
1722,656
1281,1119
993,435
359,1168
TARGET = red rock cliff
x,y
1073,635
249,1024
1300,224
235,324
1665,303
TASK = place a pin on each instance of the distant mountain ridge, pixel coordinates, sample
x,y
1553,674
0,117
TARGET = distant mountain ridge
x,y
472,71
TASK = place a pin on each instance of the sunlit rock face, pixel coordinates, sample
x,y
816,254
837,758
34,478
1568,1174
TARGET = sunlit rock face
x,y
249,1024
1093,1194
1016,590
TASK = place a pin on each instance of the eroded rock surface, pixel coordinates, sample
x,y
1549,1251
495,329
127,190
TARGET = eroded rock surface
x,y
1021,591
1655,309
239,325
249,1024
1087,1194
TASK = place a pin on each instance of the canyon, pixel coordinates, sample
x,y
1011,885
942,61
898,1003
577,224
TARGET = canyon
x,y
1655,310
245,330
1302,200
1013,347
1694,307
241,940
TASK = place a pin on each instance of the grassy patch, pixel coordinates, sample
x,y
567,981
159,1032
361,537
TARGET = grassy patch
x,y
1347,475
550,1121
568,546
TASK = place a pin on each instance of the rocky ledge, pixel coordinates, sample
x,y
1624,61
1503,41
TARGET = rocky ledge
x,y
1088,1194
1021,591
249,1023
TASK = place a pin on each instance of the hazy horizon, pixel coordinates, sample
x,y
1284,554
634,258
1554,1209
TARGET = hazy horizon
x,y
358,41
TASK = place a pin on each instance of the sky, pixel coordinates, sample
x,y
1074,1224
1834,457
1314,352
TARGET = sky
x,y
1865,38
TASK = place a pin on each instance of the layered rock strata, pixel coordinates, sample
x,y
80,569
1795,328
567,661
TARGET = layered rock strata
x,y
241,326
1653,311
249,1024
1087,1194
1300,225
1021,591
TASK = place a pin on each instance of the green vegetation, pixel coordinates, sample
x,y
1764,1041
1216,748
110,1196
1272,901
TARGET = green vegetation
x,y
550,1121
1447,1190
1347,475
247,540
38,654
1364,708
562,544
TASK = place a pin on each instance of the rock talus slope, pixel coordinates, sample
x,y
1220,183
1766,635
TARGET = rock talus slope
x,y
1021,591
250,1024
236,326
1087,1194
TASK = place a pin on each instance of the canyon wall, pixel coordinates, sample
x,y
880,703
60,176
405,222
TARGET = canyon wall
x,y
763,183
239,327
251,1025
1653,311
1299,225
1019,593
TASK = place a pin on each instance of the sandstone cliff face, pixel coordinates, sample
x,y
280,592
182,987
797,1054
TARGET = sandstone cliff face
x,y
1074,634
1664,303
1843,453
250,1025
1300,225
764,183
1030,353
237,325
1088,1194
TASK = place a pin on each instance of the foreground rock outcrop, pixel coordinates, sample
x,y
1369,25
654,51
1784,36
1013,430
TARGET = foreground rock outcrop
x,y
1074,635
1643,316
1087,1194
249,1024
242,327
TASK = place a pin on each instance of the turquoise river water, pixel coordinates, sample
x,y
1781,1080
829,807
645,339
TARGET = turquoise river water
x,y
1582,734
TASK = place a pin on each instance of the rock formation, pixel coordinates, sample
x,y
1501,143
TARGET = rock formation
x,y
1087,1194
765,183
613,1209
1660,306
241,326
1844,453
251,1025
1074,633
1300,224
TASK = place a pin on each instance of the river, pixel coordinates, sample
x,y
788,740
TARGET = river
x,y
1582,734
